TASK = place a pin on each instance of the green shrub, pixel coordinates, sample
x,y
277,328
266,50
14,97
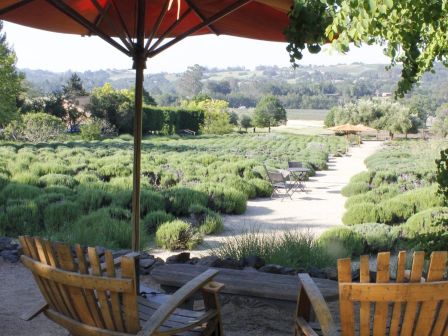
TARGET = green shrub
x,y
176,235
18,191
100,229
384,177
378,237
87,178
394,211
355,188
56,167
292,248
263,188
19,218
26,178
178,200
206,220
59,190
342,242
60,215
427,230
90,199
151,201
57,180
224,199
4,180
154,219
361,213
363,177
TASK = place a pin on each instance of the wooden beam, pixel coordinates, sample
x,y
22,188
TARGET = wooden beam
x,y
14,6
157,25
281,5
201,16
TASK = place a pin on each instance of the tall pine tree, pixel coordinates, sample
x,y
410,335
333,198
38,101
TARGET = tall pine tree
x,y
10,81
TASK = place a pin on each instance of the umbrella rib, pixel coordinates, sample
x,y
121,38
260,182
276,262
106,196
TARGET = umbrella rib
x,y
123,24
74,15
15,6
224,12
201,16
169,30
103,16
157,25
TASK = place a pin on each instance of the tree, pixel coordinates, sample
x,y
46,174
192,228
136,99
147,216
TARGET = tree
x,y
246,122
10,82
216,116
233,118
412,32
440,126
190,82
74,87
399,119
269,112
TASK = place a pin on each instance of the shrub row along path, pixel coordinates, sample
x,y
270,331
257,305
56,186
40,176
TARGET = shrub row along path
x,y
317,209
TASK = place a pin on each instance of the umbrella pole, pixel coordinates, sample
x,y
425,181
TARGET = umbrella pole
x,y
139,66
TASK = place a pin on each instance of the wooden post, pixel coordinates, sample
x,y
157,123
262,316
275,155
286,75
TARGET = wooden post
x,y
139,66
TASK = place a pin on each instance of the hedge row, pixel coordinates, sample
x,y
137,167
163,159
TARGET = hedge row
x,y
170,120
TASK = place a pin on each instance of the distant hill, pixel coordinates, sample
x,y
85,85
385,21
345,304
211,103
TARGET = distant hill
x,y
307,87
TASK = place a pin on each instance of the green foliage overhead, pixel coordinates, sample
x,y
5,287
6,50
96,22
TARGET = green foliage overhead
x,y
442,175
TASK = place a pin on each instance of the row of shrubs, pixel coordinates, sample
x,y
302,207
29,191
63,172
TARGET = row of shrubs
x,y
426,230
64,189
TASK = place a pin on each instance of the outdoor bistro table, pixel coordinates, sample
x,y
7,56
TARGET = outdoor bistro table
x,y
298,175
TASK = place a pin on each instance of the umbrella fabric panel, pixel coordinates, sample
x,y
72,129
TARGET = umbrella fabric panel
x,y
254,20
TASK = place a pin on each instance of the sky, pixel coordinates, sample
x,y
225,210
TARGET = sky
x,y
37,49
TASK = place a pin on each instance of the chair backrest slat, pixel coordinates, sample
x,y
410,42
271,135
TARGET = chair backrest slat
x,y
76,294
91,299
364,313
130,305
114,297
381,308
419,307
429,308
295,164
397,306
346,307
411,307
101,294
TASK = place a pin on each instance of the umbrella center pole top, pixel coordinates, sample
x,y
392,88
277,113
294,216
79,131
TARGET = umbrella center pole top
x,y
139,57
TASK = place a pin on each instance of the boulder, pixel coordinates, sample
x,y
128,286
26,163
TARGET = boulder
x,y
253,261
180,258
271,268
209,261
10,256
229,263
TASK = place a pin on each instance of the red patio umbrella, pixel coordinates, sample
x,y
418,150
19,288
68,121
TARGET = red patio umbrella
x,y
142,29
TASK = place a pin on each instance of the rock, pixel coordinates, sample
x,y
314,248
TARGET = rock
x,y
209,261
193,261
316,273
271,268
249,269
120,253
7,243
229,263
10,256
146,263
100,251
180,258
146,255
253,261
288,271
330,273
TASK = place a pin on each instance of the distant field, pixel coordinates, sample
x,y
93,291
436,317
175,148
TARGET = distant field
x,y
292,114
306,114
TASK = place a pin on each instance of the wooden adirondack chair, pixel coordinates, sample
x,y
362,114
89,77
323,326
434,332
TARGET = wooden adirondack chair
x,y
96,304
409,305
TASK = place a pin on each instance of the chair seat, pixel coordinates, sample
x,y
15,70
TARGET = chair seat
x,y
178,319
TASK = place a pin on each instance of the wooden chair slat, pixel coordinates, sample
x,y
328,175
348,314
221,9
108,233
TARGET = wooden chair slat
x,y
429,308
64,295
130,305
76,294
381,308
55,292
364,314
411,307
89,293
346,307
114,297
441,320
42,284
102,295
397,307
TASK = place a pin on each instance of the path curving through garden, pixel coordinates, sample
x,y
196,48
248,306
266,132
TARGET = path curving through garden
x,y
317,209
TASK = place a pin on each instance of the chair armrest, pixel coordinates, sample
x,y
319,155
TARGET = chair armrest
x,y
318,304
164,311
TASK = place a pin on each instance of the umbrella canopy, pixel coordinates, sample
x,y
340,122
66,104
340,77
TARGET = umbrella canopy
x,y
143,28
349,128
364,128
